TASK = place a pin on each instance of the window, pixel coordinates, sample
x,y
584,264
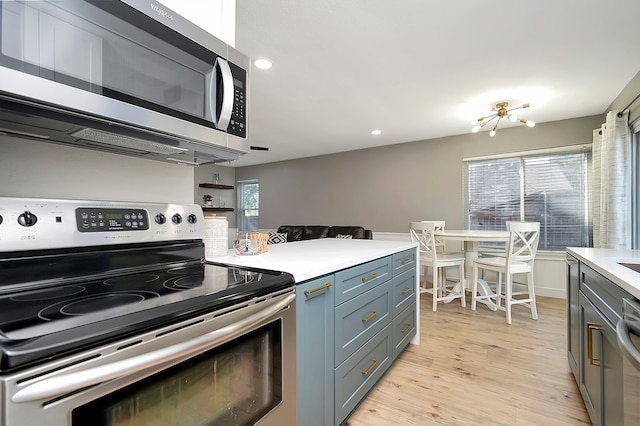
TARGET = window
x,y
550,188
248,205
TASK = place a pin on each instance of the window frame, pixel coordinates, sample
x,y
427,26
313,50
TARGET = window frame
x,y
522,158
247,222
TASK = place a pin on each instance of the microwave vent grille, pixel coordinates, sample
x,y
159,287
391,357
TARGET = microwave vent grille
x,y
108,138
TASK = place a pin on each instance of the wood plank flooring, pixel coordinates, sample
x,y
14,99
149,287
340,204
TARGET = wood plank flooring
x,y
472,368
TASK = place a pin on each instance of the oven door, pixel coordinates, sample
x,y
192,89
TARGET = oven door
x,y
628,334
232,369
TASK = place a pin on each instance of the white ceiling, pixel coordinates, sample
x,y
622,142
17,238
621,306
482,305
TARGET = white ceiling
x,y
420,69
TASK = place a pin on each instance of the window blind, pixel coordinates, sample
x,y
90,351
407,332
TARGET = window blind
x,y
550,188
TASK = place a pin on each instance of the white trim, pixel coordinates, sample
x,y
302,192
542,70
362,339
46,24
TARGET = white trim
x,y
544,151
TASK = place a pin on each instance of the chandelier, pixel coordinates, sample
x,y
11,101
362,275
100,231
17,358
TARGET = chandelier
x,y
500,111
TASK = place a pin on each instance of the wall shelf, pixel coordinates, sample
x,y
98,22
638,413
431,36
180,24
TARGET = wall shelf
x,y
217,209
215,186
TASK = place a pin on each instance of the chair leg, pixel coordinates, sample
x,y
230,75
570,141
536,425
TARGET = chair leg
x,y
435,286
499,289
474,287
532,296
463,293
508,298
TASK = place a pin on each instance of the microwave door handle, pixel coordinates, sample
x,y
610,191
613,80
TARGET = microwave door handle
x,y
223,117
56,386
627,347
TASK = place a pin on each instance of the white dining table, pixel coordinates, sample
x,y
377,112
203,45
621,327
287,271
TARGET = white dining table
x,y
471,238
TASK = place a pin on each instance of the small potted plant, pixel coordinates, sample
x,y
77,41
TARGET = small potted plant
x,y
208,200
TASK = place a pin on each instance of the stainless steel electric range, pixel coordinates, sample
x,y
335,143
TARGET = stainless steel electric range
x,y
109,315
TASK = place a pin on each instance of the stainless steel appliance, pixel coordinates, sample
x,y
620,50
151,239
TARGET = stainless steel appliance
x,y
124,76
110,316
628,333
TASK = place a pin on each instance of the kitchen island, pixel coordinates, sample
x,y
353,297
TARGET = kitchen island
x,y
597,284
357,304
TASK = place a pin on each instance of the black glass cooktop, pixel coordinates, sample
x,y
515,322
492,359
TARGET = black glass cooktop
x,y
50,309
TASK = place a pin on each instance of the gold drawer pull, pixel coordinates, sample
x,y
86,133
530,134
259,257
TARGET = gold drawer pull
x,y
370,277
406,291
371,367
370,317
572,262
315,290
590,327
406,261
407,329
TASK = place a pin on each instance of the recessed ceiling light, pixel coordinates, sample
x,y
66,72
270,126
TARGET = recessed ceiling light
x,y
263,63
376,132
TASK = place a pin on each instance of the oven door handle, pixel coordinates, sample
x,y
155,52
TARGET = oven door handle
x,y
629,351
61,385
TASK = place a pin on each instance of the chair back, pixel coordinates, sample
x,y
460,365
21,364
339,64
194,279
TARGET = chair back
x,y
523,242
422,233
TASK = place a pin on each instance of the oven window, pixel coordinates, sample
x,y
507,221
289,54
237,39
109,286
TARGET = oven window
x,y
234,384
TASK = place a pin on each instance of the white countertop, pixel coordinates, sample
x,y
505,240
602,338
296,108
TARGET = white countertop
x,y
313,258
605,261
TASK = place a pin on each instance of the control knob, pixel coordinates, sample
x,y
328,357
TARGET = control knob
x,y
192,218
160,219
0,219
27,219
176,218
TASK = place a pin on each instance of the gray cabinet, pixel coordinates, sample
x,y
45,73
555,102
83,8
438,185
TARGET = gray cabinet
x,y
573,316
351,325
315,349
600,360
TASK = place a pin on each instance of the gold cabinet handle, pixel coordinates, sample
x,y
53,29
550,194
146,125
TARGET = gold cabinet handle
x,y
406,261
572,262
406,291
370,277
315,290
370,317
407,329
590,327
370,368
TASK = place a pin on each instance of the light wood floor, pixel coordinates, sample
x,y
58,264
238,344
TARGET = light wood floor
x,y
471,368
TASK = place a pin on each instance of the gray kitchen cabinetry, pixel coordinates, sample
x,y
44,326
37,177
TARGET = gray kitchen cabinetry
x,y
315,343
573,315
351,326
600,361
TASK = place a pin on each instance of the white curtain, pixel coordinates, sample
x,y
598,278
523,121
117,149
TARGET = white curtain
x,y
611,187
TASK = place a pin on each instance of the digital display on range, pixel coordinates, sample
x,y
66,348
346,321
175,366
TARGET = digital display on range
x,y
111,219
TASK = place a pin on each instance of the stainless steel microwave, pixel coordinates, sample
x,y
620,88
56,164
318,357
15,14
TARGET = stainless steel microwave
x,y
125,76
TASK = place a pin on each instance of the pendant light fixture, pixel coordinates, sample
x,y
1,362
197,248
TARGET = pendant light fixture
x,y
501,111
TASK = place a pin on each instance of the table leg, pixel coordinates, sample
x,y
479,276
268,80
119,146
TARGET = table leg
x,y
471,254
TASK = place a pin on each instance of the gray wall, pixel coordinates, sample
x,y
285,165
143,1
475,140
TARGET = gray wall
x,y
43,170
386,187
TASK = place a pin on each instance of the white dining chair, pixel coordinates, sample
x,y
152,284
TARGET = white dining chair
x,y
438,225
520,253
430,256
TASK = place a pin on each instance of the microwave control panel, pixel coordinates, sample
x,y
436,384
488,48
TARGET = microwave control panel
x,y
238,123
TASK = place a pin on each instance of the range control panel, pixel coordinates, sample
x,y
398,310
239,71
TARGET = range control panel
x,y
111,219
37,224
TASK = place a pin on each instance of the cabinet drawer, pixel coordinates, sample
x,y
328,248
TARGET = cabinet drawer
x,y
403,329
360,372
359,319
358,279
404,261
404,291
604,294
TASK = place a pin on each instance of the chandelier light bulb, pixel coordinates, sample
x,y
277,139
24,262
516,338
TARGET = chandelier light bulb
x,y
475,129
492,133
513,118
531,123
